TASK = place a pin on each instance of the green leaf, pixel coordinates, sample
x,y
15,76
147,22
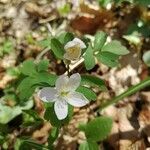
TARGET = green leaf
x,y
29,84
46,43
2,139
1,51
98,129
30,39
27,105
82,127
93,81
53,136
139,27
119,2
17,144
13,71
64,9
43,65
65,37
26,88
115,47
8,113
45,77
31,119
4,129
86,41
108,59
8,46
100,39
143,2
33,113
28,68
88,93
24,144
88,145
146,58
89,58
57,48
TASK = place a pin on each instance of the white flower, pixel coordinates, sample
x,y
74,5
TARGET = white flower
x,y
73,49
64,93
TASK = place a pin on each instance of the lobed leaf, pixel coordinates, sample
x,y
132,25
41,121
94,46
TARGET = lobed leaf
x,y
93,81
88,145
8,113
107,58
89,58
115,47
57,48
42,65
46,43
24,144
88,93
28,85
65,37
98,129
100,39
28,68
8,46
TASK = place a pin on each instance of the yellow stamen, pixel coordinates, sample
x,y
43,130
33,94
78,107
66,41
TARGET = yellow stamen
x,y
74,52
64,94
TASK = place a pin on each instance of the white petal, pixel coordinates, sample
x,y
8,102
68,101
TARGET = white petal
x,y
61,82
66,84
61,109
77,99
47,94
78,41
69,44
74,42
66,56
74,81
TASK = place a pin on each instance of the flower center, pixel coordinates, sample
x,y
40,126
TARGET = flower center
x,y
74,52
63,94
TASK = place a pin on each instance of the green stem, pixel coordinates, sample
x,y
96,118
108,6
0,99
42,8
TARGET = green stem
x,y
53,136
40,55
129,92
34,144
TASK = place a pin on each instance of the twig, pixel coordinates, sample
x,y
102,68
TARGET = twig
x,y
50,29
72,67
40,55
145,83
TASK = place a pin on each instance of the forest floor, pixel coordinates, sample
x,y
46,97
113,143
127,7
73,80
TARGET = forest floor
x,y
25,23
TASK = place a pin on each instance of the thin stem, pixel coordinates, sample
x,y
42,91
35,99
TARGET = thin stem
x,y
72,67
68,69
34,144
40,55
128,92
53,136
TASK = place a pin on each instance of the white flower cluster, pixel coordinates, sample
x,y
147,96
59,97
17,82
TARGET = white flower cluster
x,y
64,92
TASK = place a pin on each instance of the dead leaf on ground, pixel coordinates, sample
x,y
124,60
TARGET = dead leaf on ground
x,y
91,19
